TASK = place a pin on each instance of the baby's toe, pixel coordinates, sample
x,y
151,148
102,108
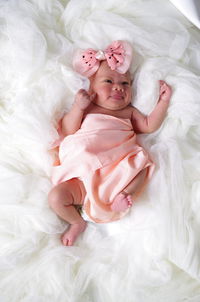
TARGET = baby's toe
x,y
129,200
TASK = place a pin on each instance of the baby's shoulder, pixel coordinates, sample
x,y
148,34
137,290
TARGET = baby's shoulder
x,y
127,112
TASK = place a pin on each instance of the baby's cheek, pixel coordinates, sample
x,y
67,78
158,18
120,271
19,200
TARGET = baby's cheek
x,y
96,100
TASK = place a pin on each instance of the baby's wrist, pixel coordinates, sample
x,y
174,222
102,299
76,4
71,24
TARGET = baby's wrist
x,y
163,99
78,107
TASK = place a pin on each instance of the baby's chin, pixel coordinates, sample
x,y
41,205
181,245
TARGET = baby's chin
x,y
117,103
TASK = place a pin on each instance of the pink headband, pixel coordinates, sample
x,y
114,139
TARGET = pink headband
x,y
118,56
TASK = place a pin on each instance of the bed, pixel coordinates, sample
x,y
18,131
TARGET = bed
x,y
153,254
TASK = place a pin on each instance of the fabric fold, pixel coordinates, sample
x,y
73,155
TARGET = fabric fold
x,y
105,155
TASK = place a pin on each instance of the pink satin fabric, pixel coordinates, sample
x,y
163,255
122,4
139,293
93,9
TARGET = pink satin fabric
x,y
104,154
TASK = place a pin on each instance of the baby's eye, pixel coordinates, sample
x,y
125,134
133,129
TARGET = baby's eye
x,y
108,81
125,83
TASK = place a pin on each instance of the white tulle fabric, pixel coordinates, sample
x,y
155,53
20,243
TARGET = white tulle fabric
x,y
151,255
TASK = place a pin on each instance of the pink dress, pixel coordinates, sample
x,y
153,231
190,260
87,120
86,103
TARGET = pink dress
x,y
104,154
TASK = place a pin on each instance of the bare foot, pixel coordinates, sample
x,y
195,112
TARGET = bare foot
x,y
70,235
122,202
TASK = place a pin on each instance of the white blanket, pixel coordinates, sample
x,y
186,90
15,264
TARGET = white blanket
x,y
153,254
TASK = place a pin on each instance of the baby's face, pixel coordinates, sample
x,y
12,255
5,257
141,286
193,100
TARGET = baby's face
x,y
113,90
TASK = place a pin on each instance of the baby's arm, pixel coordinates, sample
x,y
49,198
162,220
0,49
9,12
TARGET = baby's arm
x,y
150,123
72,120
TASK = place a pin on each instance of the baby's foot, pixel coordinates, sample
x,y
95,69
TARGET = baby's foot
x,y
70,235
121,202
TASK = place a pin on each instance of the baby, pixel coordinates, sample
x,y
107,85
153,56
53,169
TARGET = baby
x,y
102,167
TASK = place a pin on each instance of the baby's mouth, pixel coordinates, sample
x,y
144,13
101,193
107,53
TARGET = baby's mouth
x,y
117,96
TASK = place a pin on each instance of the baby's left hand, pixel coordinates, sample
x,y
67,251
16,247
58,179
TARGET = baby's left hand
x,y
165,91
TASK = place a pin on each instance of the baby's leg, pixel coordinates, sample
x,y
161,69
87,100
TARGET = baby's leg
x,y
62,199
123,200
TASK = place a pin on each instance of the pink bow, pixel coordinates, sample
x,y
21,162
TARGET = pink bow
x,y
118,56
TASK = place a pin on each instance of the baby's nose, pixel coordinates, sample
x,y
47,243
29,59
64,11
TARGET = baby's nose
x,y
118,87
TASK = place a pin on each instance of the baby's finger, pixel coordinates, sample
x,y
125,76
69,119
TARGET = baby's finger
x,y
130,204
163,88
130,201
82,90
161,82
81,93
92,97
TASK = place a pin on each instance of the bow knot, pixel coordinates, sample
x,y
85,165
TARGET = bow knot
x,y
100,55
118,56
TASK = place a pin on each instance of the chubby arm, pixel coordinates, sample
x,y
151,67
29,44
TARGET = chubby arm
x,y
72,120
151,122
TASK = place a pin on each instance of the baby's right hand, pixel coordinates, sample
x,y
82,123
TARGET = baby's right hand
x,y
83,99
